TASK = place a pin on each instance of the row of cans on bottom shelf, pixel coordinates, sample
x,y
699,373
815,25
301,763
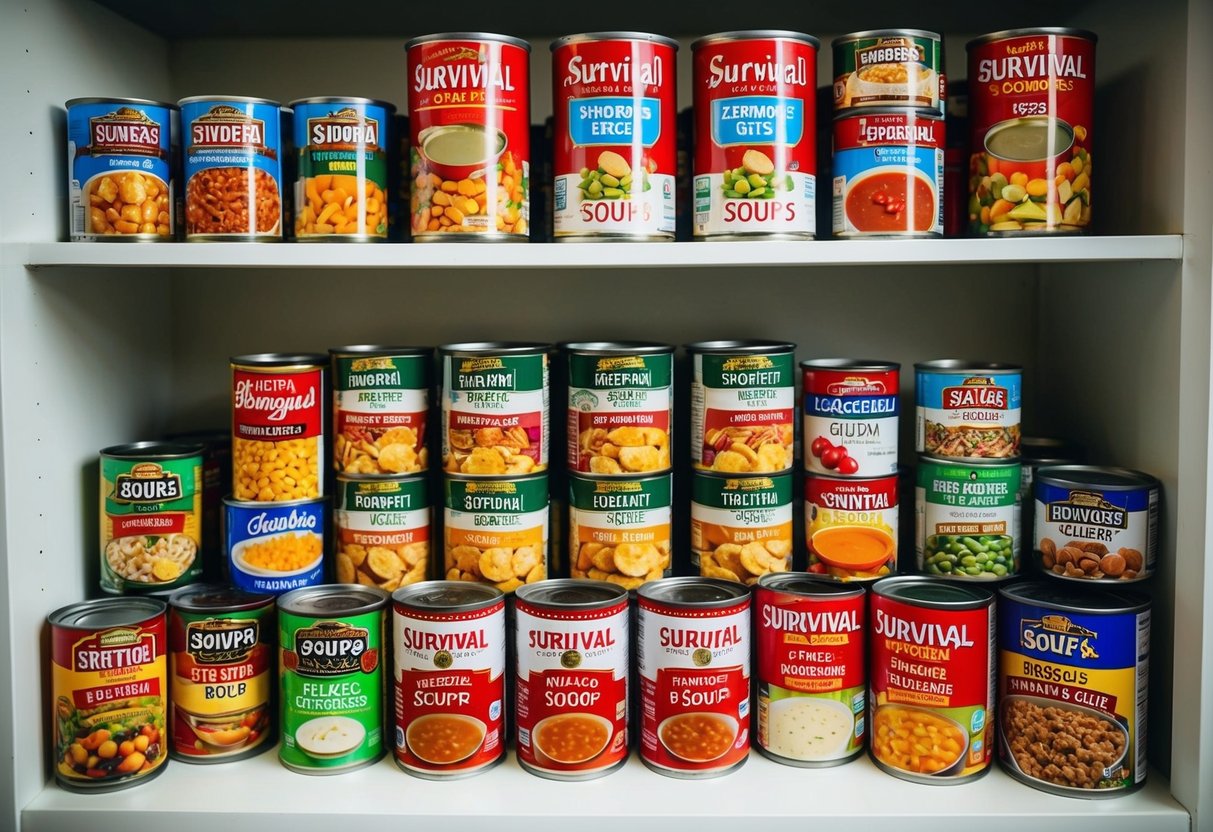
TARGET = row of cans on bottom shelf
x,y
696,670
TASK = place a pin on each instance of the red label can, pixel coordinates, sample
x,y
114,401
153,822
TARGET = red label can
x,y
571,690
470,122
693,660
449,678
850,526
613,95
932,653
850,416
811,679
755,134
277,427
1031,101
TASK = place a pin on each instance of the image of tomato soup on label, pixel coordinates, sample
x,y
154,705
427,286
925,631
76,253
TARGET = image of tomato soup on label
x,y
851,527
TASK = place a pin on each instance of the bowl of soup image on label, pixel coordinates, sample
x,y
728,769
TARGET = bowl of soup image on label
x,y
456,151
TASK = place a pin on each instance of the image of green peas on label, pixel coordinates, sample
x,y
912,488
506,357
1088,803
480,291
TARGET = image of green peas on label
x,y
967,519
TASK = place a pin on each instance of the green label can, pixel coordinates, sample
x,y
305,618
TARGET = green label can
x,y
331,677
381,398
496,530
619,529
151,516
889,68
968,519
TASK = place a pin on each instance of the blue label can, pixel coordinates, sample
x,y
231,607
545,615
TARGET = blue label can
x,y
273,548
233,168
120,169
968,410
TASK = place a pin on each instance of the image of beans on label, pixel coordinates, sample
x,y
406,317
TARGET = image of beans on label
x,y
972,555
834,457
614,177
755,179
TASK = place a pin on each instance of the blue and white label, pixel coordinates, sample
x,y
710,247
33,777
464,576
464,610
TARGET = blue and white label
x,y
853,164
757,119
258,535
1119,520
968,415
614,120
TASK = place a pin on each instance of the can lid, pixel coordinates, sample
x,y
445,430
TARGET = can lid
x,y
1108,479
212,597
332,600
933,593
279,359
494,348
1071,598
709,593
755,34
567,593
849,364
448,596
343,99
616,348
742,346
801,583
1047,450
258,505
142,102
591,37
885,33
1044,30
972,462
107,612
360,350
489,36
155,450
901,115
227,99
960,365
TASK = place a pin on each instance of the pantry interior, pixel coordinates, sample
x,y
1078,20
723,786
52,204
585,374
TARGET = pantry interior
x,y
105,343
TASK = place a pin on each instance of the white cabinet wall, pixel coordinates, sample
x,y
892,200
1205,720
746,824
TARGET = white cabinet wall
x,y
107,343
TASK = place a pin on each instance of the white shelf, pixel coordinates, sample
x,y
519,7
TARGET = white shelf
x,y
259,793
599,255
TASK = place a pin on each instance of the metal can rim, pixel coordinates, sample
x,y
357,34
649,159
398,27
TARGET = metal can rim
x,y
260,361
886,33
1085,34
229,500
451,476
182,599
598,37
296,602
745,346
472,36
616,347
723,476
919,113
342,99
488,596
979,597
359,350
1022,592
100,99
151,607
813,475
952,365
153,449
541,594
742,35
849,364
665,591
976,461
474,348
225,99
1132,479
802,583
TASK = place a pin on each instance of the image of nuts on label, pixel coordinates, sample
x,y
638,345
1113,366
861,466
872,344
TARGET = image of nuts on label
x,y
492,450
1089,559
361,450
755,179
746,563
625,450
629,565
758,450
387,567
505,567
614,178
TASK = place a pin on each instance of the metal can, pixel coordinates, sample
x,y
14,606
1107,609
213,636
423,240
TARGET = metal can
x,y
1096,523
811,685
614,103
741,527
233,168
120,169
850,416
381,531
743,406
495,407
888,174
693,661
109,687
620,406
469,116
381,401
1031,112
496,530
151,516
1073,688
1040,452
278,424
755,162
572,647
933,666
851,526
620,529
341,186
968,519
448,640
968,409
222,666
272,548
216,475
886,68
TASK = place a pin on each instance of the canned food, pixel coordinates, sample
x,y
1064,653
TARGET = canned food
x,y
693,660
448,640
1073,688
151,516
932,669
233,168
888,174
496,530
382,531
341,186
620,407
850,416
221,643
572,644
889,68
619,529
216,475
968,409
495,408
851,526
613,99
1040,452
1031,111
272,548
755,135
967,519
381,400
109,683
743,406
811,680
278,426
1096,523
330,677
120,169
741,527
470,122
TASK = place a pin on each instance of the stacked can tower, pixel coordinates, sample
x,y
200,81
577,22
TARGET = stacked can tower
x,y
889,101
851,417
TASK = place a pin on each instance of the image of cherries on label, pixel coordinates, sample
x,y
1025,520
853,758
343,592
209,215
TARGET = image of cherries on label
x,y
848,465
833,456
